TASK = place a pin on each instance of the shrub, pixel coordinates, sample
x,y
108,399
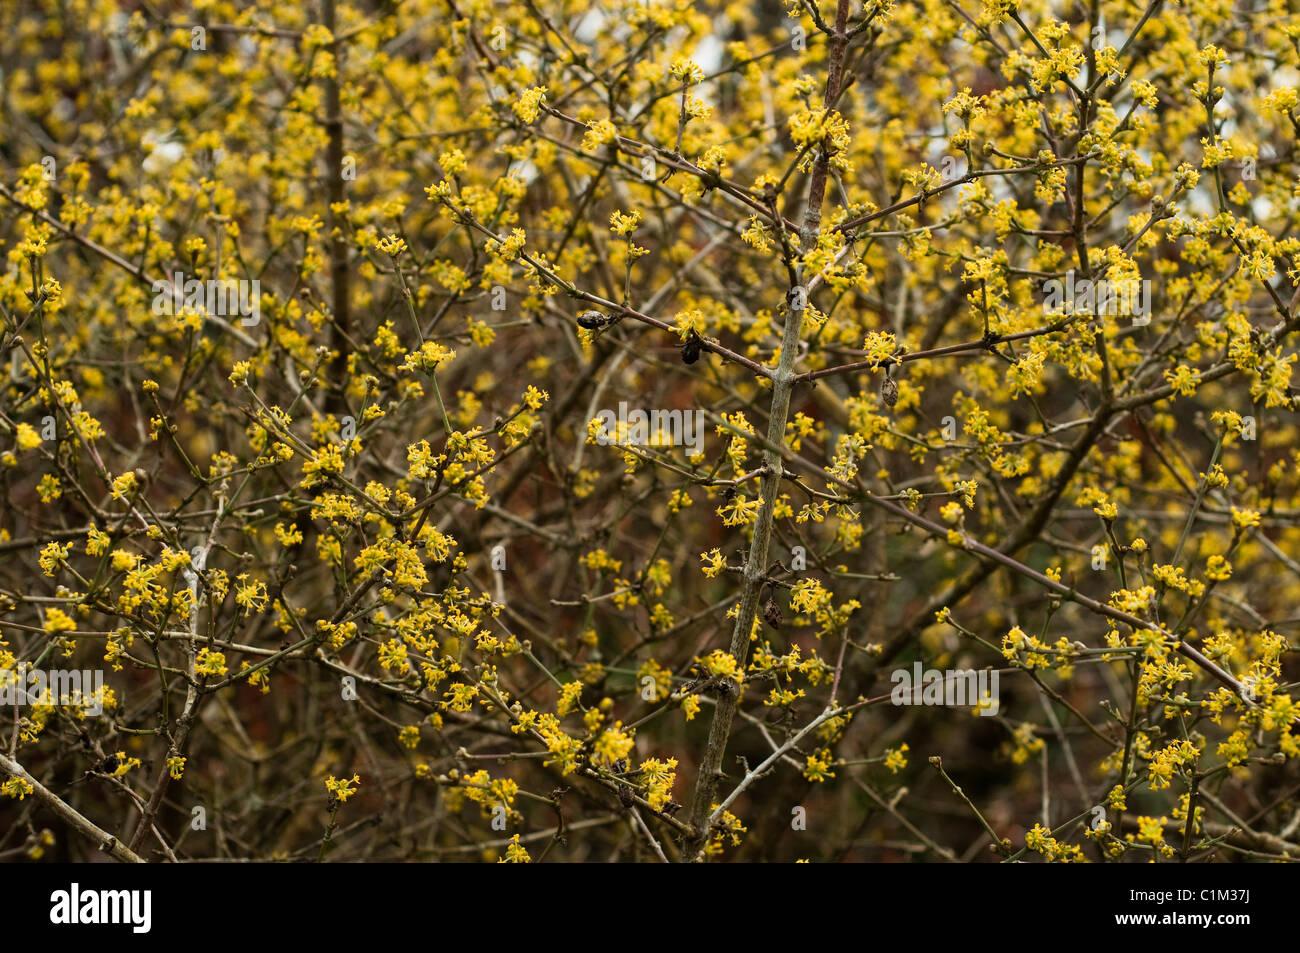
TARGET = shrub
x,y
535,430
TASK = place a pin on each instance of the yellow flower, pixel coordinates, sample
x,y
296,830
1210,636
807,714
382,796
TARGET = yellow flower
x,y
529,104
123,485
612,745
1217,568
817,766
392,245
598,134
714,562
896,758
515,853
52,557
16,787
624,223
56,620
27,437
453,162
342,789
208,662
49,489
1244,519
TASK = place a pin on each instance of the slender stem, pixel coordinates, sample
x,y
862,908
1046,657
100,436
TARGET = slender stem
x,y
710,774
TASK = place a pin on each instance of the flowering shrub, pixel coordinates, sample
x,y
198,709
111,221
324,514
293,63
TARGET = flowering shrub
x,y
316,318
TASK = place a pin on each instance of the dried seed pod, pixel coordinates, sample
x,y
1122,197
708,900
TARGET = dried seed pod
x,y
691,349
889,391
593,320
772,613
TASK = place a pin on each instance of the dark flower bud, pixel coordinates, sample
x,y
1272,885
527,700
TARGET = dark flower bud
x,y
691,349
772,613
889,391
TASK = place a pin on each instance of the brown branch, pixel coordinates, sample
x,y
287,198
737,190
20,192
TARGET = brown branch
x,y
106,841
